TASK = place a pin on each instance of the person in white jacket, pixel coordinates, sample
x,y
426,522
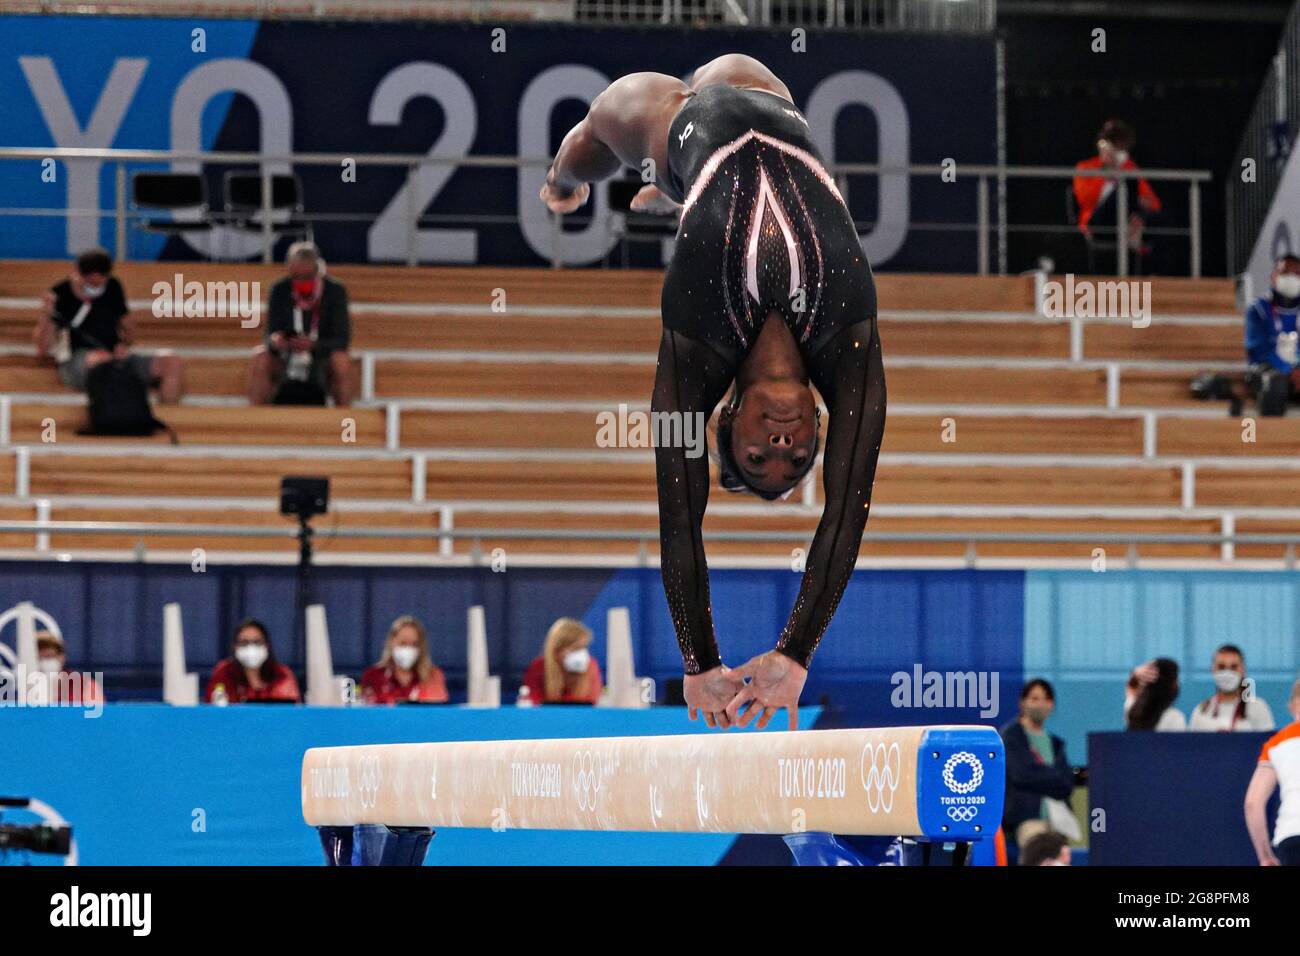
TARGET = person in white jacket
x,y
1278,769
1234,706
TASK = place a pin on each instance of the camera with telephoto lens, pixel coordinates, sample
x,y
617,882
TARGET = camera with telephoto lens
x,y
34,837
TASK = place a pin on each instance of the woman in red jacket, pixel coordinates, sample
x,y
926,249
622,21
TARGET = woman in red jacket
x,y
566,673
405,672
251,674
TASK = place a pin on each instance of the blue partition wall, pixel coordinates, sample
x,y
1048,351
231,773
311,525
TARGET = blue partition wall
x,y
149,784
111,615
152,767
1083,631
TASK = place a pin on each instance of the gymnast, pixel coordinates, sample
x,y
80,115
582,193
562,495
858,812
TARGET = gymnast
x,y
768,289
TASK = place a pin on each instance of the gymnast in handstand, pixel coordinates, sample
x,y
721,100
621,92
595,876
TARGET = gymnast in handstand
x,y
768,290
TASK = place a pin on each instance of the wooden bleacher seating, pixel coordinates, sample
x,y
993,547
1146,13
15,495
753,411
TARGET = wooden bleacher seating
x,y
553,351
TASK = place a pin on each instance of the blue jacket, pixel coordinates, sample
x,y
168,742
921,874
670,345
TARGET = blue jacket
x,y
1029,779
1262,321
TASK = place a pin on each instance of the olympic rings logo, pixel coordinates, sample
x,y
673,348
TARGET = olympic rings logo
x,y
368,782
880,775
976,768
586,779
962,814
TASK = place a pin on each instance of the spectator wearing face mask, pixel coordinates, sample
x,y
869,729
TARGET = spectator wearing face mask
x,y
1094,196
1229,708
66,687
1046,849
307,335
1039,778
1271,339
405,671
251,674
85,320
1278,768
566,673
1149,697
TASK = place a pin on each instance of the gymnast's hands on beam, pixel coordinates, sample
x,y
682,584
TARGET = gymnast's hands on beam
x,y
775,681
710,692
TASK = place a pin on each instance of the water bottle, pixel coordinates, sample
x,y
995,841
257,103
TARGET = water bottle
x,y
219,697
524,698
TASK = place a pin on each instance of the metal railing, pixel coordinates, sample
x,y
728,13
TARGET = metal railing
x,y
1226,542
913,15
989,226
1266,141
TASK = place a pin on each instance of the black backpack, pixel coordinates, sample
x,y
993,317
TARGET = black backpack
x,y
119,403
299,392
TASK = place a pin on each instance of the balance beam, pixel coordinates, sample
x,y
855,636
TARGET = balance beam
x,y
935,783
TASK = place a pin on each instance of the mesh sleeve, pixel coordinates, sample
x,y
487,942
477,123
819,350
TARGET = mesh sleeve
x,y
690,381
850,376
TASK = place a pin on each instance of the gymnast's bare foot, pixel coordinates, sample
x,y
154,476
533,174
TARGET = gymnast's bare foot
x,y
775,681
710,692
650,199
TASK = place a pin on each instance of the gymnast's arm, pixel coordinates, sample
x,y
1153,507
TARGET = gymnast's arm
x,y
849,374
690,381
627,124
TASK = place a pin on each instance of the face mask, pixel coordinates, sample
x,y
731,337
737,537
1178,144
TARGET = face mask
x,y
575,662
49,665
1227,680
1038,714
252,656
92,291
1287,285
1121,157
405,657
304,288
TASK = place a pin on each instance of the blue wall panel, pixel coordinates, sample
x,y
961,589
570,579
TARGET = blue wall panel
x,y
1085,631
131,780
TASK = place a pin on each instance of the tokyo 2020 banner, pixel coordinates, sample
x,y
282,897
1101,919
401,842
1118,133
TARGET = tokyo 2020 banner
x,y
459,91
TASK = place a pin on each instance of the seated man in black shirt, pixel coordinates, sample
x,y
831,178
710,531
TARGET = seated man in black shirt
x,y
85,320
307,333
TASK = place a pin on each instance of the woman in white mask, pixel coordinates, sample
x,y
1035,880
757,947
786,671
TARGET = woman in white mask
x,y
52,659
251,674
566,673
1234,706
405,673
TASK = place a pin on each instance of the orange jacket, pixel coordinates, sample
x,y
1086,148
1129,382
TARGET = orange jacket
x,y
1088,191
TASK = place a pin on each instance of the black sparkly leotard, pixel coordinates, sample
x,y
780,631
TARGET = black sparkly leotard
x,y
763,229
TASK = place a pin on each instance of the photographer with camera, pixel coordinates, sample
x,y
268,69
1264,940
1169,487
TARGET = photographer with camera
x,y
1272,339
305,355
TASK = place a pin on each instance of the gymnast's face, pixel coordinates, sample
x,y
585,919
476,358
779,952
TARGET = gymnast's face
x,y
774,433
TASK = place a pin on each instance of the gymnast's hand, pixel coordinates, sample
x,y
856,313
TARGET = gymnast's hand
x,y
775,681
710,692
561,202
